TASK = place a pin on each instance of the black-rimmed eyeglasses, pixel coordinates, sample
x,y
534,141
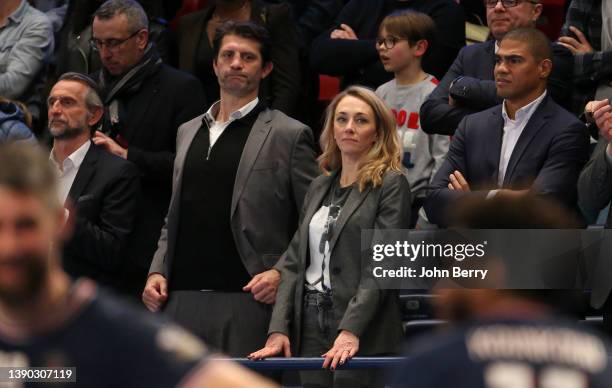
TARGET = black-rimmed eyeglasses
x,y
111,44
388,42
507,3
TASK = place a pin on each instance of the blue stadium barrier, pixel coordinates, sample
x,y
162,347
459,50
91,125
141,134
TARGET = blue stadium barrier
x,y
315,363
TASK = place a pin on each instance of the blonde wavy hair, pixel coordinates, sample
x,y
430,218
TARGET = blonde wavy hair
x,y
385,153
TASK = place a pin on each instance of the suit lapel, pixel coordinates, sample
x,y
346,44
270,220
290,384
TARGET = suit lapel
x,y
182,147
355,199
494,147
84,175
253,145
537,120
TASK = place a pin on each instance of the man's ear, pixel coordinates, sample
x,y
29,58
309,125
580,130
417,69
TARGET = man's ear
x,y
267,69
95,114
545,68
537,11
142,38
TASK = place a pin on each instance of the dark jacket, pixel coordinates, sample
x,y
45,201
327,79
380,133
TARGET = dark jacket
x,y
281,89
371,313
153,113
476,91
12,125
104,196
358,61
547,158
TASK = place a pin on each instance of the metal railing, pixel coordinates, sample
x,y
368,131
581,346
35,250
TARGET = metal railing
x,y
315,363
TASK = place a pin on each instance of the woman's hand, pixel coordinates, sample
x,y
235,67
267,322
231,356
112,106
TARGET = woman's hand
x,y
276,344
345,347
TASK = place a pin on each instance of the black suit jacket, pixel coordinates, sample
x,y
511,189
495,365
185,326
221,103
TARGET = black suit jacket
x,y
164,101
547,158
477,91
104,196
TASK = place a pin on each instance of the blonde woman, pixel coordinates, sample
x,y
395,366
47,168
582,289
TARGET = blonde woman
x,y
320,307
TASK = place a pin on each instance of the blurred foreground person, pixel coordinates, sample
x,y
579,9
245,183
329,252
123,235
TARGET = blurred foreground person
x,y
47,321
507,338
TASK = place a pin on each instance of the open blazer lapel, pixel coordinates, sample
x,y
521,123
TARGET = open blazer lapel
x,y
537,120
84,175
355,199
253,146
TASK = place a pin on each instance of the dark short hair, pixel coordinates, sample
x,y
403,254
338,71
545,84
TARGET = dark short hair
x,y
537,43
92,99
246,30
26,170
410,25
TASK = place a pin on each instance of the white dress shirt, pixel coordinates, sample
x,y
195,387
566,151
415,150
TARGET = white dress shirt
x,y
512,132
69,168
216,128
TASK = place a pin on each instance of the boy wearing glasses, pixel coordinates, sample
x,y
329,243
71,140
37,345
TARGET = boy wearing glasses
x,y
403,41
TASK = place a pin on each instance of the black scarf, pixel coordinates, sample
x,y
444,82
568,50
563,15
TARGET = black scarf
x,y
116,89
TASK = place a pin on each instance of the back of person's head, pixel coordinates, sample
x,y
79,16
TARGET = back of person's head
x,y
26,170
410,25
136,16
247,30
505,212
525,212
384,154
537,43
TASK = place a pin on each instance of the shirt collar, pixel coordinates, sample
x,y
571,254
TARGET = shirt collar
x,y
75,159
210,115
19,13
525,112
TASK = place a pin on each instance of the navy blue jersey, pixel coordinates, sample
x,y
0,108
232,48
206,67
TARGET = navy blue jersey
x,y
508,354
109,344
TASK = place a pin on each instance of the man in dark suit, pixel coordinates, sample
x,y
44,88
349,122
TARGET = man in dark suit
x,y
99,189
146,101
240,175
468,86
528,143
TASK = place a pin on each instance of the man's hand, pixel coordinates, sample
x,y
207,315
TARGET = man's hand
x,y
155,293
263,286
458,182
602,114
276,344
345,347
580,46
344,32
109,144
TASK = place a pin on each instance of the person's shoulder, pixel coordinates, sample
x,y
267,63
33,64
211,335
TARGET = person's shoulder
x,y
561,118
392,178
385,88
175,76
113,164
34,17
281,121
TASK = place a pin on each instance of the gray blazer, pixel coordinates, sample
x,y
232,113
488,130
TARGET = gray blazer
x,y
373,315
275,170
595,193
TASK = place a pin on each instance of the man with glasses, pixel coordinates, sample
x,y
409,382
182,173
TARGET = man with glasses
x,y
468,86
145,102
